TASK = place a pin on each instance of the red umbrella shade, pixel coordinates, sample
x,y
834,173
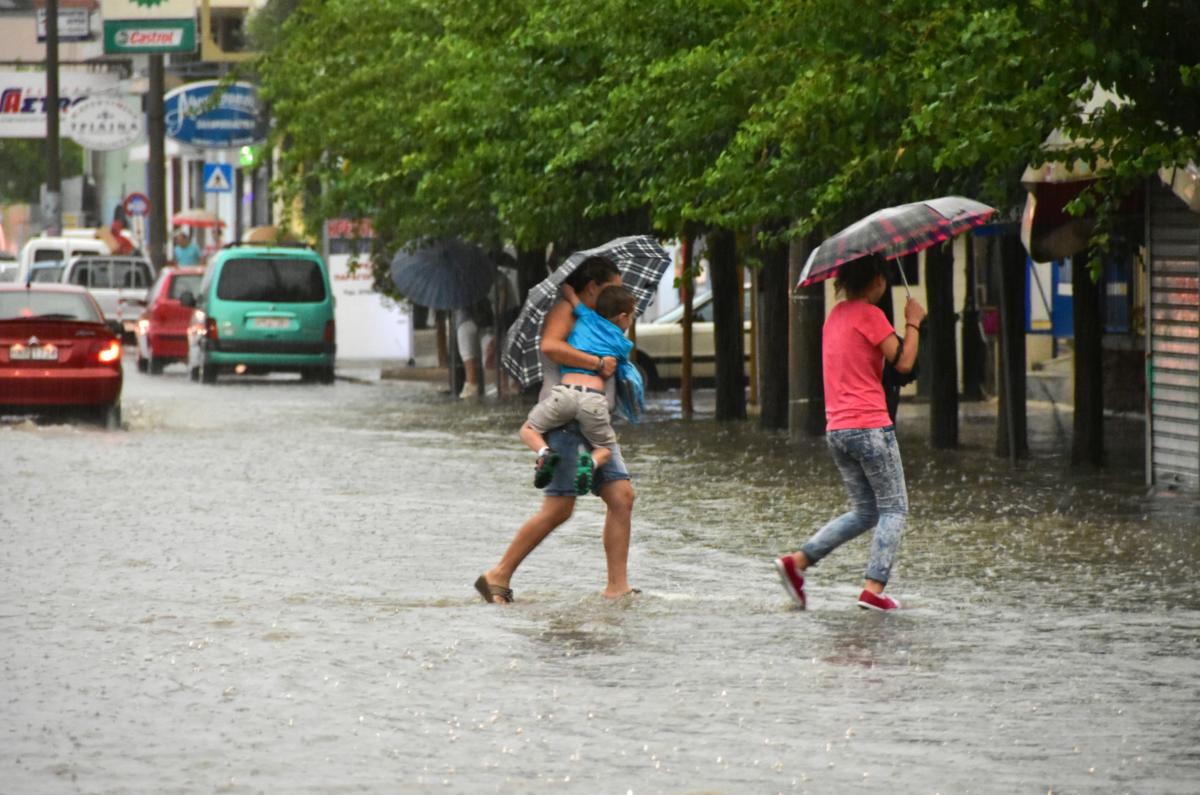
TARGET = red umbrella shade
x,y
198,218
894,232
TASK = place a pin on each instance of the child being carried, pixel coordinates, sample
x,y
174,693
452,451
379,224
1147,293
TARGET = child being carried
x,y
580,396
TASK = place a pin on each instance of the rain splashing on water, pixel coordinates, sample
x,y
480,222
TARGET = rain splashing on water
x,y
266,586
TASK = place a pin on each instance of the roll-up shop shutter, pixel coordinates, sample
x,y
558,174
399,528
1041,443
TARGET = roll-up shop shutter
x,y
1173,460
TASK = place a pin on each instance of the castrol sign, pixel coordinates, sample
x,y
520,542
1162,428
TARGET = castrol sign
x,y
141,38
149,26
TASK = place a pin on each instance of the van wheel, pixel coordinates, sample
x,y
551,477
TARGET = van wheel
x,y
322,375
208,373
142,365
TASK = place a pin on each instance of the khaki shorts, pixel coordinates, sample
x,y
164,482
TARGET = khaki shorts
x,y
588,408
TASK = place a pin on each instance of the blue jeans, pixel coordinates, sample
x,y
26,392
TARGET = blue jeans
x,y
869,460
566,441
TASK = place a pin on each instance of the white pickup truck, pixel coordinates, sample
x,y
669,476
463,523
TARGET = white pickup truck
x,y
119,285
81,242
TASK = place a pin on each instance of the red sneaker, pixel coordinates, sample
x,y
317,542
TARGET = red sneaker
x,y
793,580
876,601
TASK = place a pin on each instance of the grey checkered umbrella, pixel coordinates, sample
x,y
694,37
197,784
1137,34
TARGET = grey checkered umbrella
x,y
642,262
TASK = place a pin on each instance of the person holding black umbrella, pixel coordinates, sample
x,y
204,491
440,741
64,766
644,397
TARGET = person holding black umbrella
x,y
610,482
857,338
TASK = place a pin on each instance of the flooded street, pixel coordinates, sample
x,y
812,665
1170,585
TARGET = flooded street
x,y
264,586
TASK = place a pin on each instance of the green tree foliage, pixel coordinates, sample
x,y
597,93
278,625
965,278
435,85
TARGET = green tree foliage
x,y
533,121
23,167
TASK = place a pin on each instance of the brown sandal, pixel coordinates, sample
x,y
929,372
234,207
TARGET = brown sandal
x,y
489,592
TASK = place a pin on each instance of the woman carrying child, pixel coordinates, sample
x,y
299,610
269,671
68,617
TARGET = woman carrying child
x,y
610,480
580,396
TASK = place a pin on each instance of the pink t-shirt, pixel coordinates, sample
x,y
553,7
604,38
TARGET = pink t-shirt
x,y
854,366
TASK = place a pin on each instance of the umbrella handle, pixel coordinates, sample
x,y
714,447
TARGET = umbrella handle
x,y
903,278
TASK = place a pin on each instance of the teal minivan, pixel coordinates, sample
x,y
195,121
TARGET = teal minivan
x,y
262,309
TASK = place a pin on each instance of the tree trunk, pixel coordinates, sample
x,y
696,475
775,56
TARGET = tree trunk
x,y
727,327
1011,434
806,319
943,353
531,269
1087,439
974,349
773,338
687,292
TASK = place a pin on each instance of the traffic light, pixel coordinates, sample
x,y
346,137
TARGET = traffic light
x,y
250,157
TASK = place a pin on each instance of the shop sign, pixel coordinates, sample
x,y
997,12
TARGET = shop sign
x,y
74,24
210,115
149,26
103,123
149,37
23,98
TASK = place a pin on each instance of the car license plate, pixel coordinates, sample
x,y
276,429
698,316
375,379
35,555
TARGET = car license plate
x,y
39,353
271,322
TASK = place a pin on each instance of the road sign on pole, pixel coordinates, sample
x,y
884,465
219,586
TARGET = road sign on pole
x,y
218,178
136,204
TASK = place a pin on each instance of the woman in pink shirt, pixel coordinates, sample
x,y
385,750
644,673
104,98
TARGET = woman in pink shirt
x,y
857,337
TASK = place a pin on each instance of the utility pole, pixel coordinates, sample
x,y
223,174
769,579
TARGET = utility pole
x,y
155,133
52,203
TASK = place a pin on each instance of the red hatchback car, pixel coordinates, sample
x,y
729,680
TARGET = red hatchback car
x,y
56,352
162,328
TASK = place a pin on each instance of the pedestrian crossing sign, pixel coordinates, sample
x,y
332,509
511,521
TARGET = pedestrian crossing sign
x,y
218,178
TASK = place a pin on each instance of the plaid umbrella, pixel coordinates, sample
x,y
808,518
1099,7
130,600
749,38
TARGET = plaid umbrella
x,y
642,262
894,232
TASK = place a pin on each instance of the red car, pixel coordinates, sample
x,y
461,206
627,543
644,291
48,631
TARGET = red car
x,y
57,352
162,328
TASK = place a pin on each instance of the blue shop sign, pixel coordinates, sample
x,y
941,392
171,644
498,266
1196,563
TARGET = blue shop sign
x,y
212,116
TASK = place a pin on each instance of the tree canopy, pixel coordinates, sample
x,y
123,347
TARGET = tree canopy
x,y
533,122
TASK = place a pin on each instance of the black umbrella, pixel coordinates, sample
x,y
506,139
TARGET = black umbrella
x,y
444,274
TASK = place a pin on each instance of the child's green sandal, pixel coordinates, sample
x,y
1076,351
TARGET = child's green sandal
x,y
546,464
584,470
